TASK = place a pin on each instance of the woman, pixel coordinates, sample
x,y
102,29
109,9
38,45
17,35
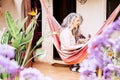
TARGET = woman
x,y
70,35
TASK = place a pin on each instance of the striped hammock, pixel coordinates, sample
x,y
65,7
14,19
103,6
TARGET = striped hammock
x,y
77,56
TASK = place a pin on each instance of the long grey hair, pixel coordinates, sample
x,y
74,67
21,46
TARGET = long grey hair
x,y
67,22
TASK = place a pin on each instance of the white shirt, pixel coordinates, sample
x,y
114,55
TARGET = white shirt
x,y
67,39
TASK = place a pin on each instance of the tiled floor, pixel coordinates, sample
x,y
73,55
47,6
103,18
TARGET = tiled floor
x,y
56,71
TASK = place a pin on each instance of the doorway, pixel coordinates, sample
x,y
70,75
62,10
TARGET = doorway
x,y
30,5
35,4
61,8
111,5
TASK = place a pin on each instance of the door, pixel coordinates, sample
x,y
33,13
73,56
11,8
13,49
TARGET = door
x,y
28,6
111,5
61,8
38,29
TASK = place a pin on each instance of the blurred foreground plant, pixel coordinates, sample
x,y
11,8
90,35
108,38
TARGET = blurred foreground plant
x,y
103,62
20,38
15,50
11,70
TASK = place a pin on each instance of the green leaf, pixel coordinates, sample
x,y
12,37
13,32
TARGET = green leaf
x,y
28,38
40,53
22,47
6,38
17,41
22,24
1,34
31,25
11,24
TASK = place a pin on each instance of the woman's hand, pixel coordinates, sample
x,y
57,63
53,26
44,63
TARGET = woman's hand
x,y
81,41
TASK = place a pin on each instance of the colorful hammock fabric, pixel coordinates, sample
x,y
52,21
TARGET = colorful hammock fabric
x,y
77,56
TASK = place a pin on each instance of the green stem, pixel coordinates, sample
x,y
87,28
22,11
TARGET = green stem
x,y
27,53
18,56
29,56
31,59
4,76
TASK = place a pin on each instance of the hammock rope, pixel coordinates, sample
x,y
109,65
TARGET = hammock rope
x,y
77,56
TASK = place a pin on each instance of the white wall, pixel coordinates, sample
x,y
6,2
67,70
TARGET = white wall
x,y
94,15
14,7
20,9
47,43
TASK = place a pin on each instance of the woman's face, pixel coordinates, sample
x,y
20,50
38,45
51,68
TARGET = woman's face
x,y
76,22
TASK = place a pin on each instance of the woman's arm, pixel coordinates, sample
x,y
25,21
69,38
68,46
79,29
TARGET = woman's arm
x,y
68,41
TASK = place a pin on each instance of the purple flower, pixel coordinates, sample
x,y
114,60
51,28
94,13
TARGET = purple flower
x,y
108,31
13,67
116,25
7,50
116,46
32,74
87,67
97,49
9,66
92,76
108,71
107,60
96,41
117,71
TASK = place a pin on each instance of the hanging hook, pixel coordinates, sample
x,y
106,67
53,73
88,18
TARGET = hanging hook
x,y
82,1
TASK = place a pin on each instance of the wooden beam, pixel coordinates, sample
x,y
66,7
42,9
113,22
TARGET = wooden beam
x,y
27,8
0,3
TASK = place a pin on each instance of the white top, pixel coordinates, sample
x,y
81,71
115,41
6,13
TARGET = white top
x,y
66,38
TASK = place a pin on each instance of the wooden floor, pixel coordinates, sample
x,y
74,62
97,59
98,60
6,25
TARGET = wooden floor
x,y
56,71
